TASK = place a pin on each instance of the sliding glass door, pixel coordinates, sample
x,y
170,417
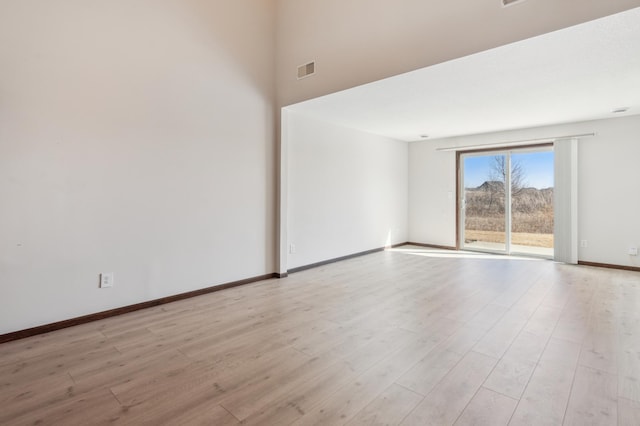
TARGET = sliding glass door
x,y
485,224
507,201
532,210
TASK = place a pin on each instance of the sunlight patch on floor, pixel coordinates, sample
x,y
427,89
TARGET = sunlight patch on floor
x,y
459,254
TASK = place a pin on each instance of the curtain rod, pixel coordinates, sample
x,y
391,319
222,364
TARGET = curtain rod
x,y
539,141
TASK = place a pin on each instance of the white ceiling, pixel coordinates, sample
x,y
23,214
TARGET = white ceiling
x,y
575,74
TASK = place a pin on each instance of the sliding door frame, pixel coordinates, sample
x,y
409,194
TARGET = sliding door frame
x,y
506,150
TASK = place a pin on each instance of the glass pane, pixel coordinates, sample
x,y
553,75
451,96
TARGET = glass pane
x,y
532,203
484,224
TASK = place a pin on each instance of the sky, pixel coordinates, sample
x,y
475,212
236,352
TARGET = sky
x,y
537,167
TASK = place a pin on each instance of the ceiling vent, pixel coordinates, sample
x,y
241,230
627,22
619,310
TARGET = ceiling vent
x,y
306,70
510,2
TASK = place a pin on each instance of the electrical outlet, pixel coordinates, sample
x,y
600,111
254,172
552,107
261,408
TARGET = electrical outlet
x,y
583,243
106,280
633,251
292,248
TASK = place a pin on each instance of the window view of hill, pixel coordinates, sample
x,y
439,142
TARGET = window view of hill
x,y
531,211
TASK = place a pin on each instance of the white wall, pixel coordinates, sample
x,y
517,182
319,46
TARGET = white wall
x,y
136,137
347,191
359,41
608,201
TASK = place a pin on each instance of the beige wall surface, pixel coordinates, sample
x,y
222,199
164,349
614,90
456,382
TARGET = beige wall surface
x,y
354,42
136,137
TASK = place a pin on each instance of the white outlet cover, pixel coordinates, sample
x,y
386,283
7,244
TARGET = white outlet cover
x,y
106,280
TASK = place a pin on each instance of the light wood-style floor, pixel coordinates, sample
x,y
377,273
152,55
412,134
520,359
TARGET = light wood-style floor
x,y
409,336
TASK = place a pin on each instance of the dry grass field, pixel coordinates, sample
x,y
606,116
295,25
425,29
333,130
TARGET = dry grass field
x,y
539,222
531,216
519,238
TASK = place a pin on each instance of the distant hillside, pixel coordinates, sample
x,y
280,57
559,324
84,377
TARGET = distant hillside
x,y
489,198
490,185
532,208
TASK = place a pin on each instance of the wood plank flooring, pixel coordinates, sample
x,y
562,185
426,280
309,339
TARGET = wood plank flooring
x,y
409,336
